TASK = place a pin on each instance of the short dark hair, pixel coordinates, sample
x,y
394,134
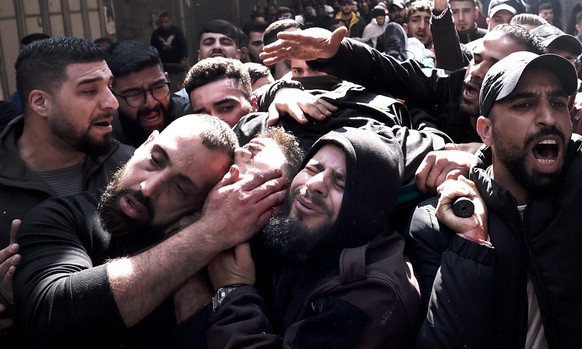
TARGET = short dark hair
x,y
217,68
531,42
130,56
270,34
472,1
222,27
43,64
30,38
255,26
545,6
528,19
257,71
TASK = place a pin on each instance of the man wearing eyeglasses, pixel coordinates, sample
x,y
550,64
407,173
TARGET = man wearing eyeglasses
x,y
142,89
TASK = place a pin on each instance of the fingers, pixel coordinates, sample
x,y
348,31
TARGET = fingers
x,y
338,35
258,179
318,109
232,176
296,113
242,254
14,229
273,115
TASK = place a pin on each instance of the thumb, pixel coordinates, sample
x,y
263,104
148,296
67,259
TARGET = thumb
x,y
338,35
273,115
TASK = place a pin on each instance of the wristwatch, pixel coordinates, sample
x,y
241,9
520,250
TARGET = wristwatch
x,y
221,294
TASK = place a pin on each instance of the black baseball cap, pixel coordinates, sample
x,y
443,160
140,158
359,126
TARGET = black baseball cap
x,y
503,77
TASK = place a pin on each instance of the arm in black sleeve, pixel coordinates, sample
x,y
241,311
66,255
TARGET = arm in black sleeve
x,y
61,288
447,46
364,65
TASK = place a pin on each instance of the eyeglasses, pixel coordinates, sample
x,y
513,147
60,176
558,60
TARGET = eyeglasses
x,y
137,98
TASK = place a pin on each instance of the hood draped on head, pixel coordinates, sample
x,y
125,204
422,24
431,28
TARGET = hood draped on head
x,y
374,167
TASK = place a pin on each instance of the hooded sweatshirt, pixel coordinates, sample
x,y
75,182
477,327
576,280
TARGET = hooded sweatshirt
x,y
374,167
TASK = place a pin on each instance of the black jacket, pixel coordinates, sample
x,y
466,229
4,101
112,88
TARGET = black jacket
x,y
434,90
62,294
479,296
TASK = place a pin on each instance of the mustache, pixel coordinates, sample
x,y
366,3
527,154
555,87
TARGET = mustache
x,y
546,131
139,197
145,110
106,115
315,198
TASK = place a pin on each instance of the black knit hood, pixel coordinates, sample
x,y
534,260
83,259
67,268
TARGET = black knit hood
x,y
374,167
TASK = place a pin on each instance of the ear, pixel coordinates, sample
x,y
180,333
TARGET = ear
x,y
238,53
198,59
150,139
476,11
405,27
485,130
39,102
254,103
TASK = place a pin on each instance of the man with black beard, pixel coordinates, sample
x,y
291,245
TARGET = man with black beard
x,y
62,144
88,278
340,278
502,278
143,90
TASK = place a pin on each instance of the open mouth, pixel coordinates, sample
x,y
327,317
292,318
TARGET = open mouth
x,y
546,152
133,208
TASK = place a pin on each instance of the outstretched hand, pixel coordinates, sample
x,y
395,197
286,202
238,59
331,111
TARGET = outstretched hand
x,y
306,45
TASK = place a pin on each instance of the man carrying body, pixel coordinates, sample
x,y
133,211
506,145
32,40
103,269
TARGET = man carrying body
x,y
111,268
505,273
451,100
143,91
62,145
340,277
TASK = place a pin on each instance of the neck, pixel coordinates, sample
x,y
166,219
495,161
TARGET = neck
x,y
44,152
506,180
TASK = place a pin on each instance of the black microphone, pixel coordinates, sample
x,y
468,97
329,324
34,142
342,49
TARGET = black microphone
x,y
463,207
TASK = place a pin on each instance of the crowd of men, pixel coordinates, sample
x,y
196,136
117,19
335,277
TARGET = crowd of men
x,y
299,186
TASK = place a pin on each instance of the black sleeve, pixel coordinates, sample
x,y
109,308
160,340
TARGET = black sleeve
x,y
459,311
447,46
364,65
61,290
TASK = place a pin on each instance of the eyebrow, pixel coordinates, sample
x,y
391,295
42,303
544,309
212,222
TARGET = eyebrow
x,y
223,101
160,80
93,80
526,94
336,174
180,176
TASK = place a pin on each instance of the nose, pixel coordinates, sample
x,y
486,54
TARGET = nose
x,y
477,70
150,101
110,102
319,183
546,115
152,185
